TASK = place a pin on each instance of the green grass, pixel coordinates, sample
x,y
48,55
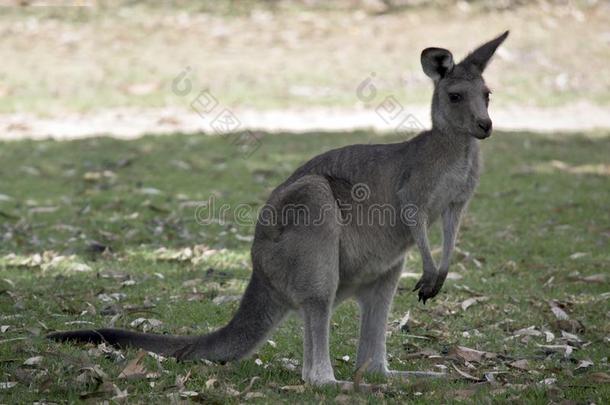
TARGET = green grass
x,y
134,197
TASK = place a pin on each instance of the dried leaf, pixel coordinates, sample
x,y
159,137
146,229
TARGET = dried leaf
x,y
570,337
248,388
79,323
571,325
578,255
299,389
111,298
97,176
102,390
360,373
491,377
211,383
454,276
43,210
134,369
584,364
223,299
253,395
466,375
232,392
107,351
529,331
468,354
510,265
244,238
33,361
12,340
520,364
402,323
567,349
7,385
289,364
78,268
93,374
594,278
424,353
471,301
600,378
157,357
195,255
146,324
559,313
119,394
182,379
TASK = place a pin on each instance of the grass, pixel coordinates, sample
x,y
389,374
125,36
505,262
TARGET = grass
x,y
541,200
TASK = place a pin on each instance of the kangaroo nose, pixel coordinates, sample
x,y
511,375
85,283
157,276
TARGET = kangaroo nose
x,y
484,124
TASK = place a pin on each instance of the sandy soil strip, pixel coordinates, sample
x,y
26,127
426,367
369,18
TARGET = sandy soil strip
x,y
133,123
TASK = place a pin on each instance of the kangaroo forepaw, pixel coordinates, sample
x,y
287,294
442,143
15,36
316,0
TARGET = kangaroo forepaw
x,y
427,289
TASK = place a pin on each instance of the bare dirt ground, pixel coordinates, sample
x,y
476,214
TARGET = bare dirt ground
x,y
133,123
80,71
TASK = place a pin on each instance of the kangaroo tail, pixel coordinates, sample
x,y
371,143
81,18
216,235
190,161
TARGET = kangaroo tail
x,y
259,312
165,345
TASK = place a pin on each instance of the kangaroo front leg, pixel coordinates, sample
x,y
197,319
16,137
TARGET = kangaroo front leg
x,y
427,282
451,225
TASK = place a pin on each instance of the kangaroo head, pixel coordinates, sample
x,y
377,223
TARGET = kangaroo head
x,y
461,98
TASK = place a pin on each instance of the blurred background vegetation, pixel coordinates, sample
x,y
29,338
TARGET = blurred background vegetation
x,y
58,58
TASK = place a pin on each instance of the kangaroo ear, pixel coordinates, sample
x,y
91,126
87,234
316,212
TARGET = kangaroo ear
x,y
436,62
480,57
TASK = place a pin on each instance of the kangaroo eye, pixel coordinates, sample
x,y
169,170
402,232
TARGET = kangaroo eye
x,y
455,97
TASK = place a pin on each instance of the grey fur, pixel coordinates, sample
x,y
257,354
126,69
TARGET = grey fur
x,y
311,266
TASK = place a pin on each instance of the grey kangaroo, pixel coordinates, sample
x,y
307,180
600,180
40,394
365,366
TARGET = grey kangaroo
x,y
311,258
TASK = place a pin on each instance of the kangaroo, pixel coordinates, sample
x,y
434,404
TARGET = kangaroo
x,y
310,266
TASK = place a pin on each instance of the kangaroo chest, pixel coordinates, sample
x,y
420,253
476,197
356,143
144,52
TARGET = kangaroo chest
x,y
453,183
